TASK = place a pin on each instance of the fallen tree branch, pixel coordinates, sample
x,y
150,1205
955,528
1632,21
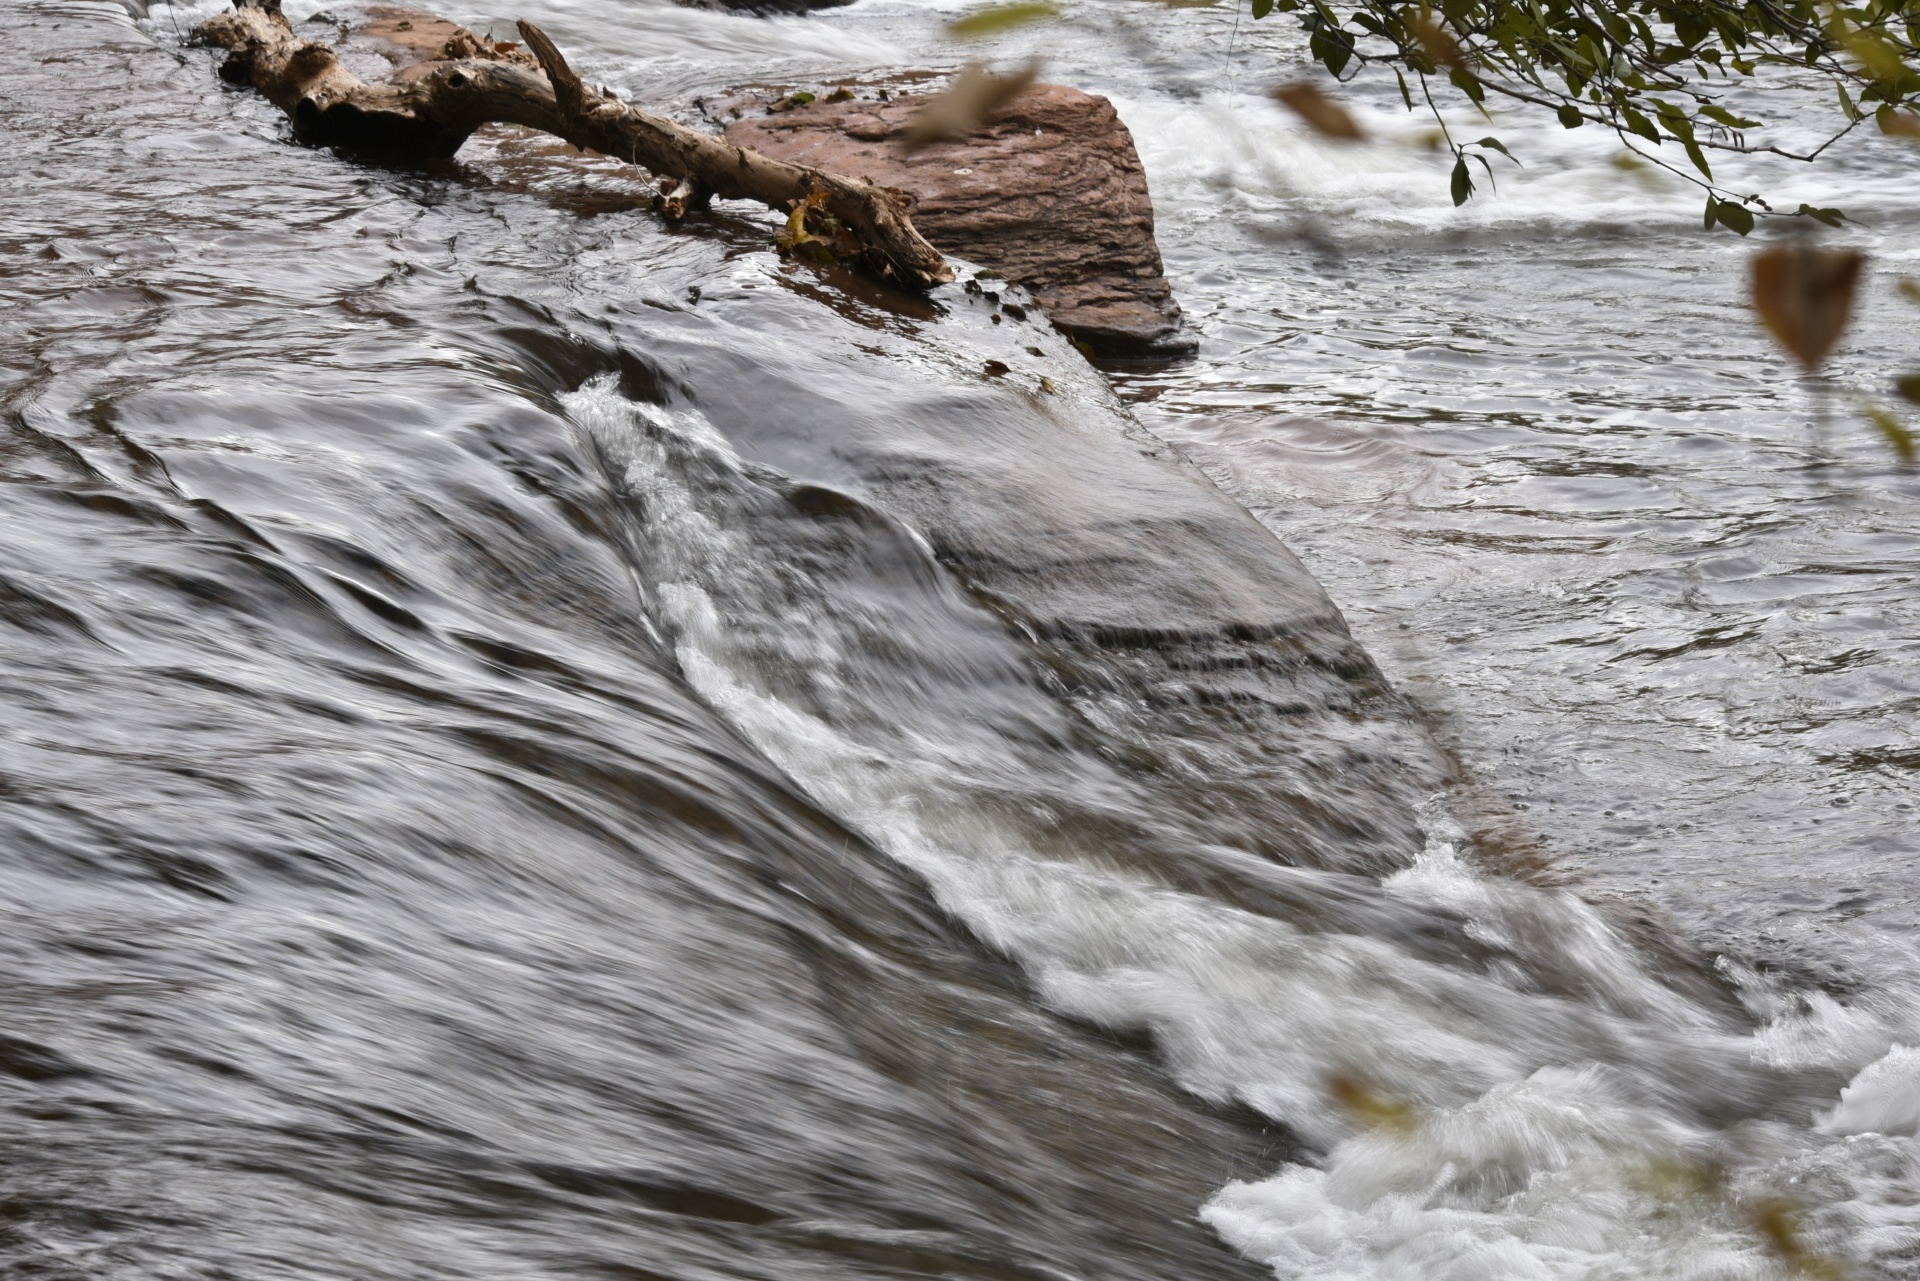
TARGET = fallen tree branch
x,y
434,112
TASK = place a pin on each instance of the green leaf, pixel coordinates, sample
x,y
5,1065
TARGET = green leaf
x,y
1713,209
1699,160
1570,117
1462,182
1894,431
1735,217
1496,145
1261,8
1832,217
1675,118
1004,17
1639,124
1847,109
1468,83
1714,112
1405,95
1908,385
1331,47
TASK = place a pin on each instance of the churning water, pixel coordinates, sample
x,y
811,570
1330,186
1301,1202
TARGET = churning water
x,y
539,744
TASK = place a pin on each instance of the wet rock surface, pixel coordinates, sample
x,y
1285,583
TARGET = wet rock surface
x,y
398,43
1050,192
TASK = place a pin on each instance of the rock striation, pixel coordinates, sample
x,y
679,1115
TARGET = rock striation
x,y
1049,192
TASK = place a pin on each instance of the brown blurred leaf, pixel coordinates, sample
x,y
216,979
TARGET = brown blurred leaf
x,y
975,94
1674,1179
1322,114
1805,297
1371,1108
1436,41
1778,1225
1879,59
1897,124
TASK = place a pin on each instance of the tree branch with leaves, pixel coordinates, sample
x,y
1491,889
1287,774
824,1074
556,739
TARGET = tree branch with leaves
x,y
1657,73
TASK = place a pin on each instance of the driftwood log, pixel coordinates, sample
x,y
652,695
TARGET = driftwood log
x,y
482,82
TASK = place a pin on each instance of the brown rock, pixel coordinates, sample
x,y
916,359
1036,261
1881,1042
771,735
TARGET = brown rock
x,y
412,39
403,36
1049,192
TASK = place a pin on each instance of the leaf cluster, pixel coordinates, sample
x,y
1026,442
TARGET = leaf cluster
x,y
813,233
1655,72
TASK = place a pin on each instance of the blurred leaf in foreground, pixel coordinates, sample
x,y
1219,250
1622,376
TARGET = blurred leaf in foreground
x,y
1435,41
1652,72
1002,17
1322,114
1805,297
1893,431
1372,1108
1897,124
975,94
1778,1225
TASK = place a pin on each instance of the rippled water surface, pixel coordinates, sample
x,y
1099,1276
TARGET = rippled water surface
x,y
540,744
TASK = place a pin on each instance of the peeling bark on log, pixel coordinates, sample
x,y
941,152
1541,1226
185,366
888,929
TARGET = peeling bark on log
x,y
432,113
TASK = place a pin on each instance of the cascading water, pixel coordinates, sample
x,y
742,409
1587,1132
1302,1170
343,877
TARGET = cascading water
x,y
477,664
1542,1135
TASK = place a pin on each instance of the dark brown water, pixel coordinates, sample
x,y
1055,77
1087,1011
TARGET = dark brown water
x,y
540,745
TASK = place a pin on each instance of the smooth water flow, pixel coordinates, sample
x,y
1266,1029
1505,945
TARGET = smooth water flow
x,y
540,744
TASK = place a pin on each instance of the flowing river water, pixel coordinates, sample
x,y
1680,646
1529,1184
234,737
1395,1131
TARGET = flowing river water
x,y
537,744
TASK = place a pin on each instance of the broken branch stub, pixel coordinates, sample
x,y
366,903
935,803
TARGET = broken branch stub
x,y
433,113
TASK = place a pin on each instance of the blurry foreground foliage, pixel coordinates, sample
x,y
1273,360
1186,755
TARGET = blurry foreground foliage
x,y
1658,73
1804,296
1654,72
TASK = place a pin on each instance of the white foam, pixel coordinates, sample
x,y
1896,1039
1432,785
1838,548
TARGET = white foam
x,y
1528,1134
1549,1177
1883,1099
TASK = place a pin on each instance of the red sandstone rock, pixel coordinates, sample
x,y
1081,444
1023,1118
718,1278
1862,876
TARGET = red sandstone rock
x,y
413,39
1049,192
